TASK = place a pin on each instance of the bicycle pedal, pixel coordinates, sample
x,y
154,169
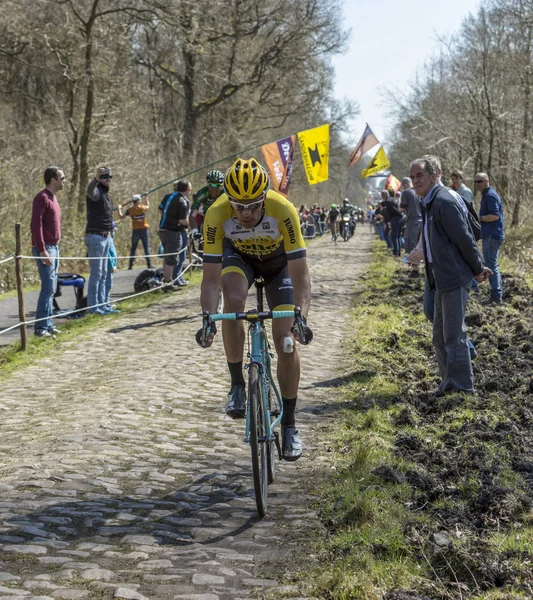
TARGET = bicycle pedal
x,y
274,413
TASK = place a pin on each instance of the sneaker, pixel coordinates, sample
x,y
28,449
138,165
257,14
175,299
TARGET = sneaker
x,y
291,444
491,300
96,311
42,333
110,310
170,287
235,406
182,282
54,331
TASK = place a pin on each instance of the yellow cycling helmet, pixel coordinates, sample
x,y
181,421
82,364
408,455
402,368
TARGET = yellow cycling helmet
x,y
246,180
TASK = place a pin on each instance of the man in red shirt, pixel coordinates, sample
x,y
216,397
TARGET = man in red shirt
x,y
45,236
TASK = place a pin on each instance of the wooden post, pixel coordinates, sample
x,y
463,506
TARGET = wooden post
x,y
20,290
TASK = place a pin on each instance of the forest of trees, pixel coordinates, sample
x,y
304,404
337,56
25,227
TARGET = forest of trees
x,y
472,105
159,89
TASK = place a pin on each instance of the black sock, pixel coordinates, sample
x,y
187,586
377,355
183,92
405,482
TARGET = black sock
x,y
289,404
235,371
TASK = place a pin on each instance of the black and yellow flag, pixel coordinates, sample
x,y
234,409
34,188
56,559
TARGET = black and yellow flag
x,y
380,162
314,146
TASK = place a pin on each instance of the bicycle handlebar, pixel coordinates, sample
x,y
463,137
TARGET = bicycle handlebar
x,y
300,327
252,315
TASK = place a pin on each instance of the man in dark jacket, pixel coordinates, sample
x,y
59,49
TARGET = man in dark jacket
x,y
451,249
98,238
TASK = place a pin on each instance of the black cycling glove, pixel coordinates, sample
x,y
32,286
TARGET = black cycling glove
x,y
304,332
204,332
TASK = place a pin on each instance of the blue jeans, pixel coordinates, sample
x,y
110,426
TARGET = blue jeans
x,y
396,223
387,236
97,245
181,256
48,276
140,235
491,247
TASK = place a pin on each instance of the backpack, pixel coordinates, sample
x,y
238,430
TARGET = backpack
x,y
473,220
148,280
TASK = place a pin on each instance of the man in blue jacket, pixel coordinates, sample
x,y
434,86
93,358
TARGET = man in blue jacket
x,y
451,250
491,217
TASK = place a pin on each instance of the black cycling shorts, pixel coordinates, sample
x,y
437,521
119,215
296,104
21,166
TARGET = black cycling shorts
x,y
278,284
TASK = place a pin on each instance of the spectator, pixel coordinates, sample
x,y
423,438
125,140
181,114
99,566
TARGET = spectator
x,y
394,217
410,205
173,221
322,220
450,247
45,235
492,233
112,263
97,237
386,219
460,187
178,269
139,227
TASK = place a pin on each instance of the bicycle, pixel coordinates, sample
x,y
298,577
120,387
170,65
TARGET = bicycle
x,y
262,414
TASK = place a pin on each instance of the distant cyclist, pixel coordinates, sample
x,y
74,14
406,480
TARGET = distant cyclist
x,y
333,216
253,231
204,198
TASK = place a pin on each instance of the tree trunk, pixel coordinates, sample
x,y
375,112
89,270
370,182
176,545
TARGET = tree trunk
x,y
190,117
87,119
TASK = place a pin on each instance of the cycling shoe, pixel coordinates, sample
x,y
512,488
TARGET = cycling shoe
x,y
291,444
235,406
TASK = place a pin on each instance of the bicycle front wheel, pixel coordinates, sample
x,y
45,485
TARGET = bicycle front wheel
x,y
258,443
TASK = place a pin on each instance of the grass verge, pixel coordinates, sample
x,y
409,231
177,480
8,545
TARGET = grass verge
x,y
429,499
13,358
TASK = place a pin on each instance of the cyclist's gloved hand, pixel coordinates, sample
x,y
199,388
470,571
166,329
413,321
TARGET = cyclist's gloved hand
x,y
302,332
204,340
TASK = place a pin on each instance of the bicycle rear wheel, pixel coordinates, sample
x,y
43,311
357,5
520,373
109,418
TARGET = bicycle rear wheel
x,y
258,444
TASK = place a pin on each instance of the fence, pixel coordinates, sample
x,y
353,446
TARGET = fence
x,y
18,257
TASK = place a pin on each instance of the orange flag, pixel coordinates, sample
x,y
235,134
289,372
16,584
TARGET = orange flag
x,y
393,183
278,157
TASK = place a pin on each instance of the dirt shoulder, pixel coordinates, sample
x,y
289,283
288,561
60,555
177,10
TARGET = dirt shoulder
x,y
431,497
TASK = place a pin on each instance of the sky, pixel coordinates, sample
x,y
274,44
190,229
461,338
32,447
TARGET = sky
x,y
390,40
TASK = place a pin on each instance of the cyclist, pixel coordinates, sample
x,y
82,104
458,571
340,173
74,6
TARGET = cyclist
x,y
253,231
333,215
204,198
345,209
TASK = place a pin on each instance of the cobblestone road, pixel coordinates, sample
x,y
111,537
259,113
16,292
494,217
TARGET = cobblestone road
x,y
121,477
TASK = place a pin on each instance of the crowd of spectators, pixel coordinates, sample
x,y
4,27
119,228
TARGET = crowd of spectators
x,y
436,226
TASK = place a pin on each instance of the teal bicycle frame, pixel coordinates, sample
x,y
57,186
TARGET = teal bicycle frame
x,y
261,419
259,354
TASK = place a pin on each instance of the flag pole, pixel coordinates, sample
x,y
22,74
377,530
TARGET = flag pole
x,y
203,167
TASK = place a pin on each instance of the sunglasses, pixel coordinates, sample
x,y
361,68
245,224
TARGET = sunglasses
x,y
251,206
215,186
106,176
479,181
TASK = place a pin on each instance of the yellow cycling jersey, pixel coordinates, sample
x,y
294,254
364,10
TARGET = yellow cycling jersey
x,y
278,231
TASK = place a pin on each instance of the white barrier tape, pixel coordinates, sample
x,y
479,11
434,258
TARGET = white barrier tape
x,y
103,257
77,310
6,259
